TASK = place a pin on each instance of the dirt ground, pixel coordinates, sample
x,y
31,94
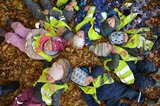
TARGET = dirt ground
x,y
15,65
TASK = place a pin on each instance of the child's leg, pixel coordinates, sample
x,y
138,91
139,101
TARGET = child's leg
x,y
116,90
46,4
143,82
35,9
15,40
20,29
24,97
146,66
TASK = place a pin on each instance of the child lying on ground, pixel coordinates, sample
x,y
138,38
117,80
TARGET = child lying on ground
x,y
48,88
36,43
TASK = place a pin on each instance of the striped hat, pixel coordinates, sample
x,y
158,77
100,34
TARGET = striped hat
x,y
102,49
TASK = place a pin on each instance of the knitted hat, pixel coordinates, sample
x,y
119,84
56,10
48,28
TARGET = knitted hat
x,y
56,71
117,38
68,14
102,49
106,29
79,76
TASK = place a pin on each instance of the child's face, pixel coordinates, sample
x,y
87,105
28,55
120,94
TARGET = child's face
x,y
125,37
68,8
48,45
49,78
80,34
111,21
88,80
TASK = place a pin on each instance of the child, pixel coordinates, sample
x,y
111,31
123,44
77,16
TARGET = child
x,y
9,87
106,50
86,24
39,14
98,86
51,18
36,43
130,72
48,88
132,39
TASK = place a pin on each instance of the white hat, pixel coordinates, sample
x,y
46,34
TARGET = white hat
x,y
56,71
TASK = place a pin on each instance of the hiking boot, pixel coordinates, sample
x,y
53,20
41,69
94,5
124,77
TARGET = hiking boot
x,y
9,22
9,87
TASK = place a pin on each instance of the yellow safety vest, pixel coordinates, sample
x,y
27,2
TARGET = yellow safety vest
x,y
37,49
122,71
101,80
49,89
51,24
138,41
92,34
126,57
124,20
61,2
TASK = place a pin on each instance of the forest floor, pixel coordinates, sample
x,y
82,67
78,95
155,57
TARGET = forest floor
x,y
15,65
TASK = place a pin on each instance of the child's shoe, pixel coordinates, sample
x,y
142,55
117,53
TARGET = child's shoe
x,y
9,22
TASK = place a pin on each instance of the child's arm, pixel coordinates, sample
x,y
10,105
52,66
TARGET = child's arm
x,y
96,71
56,97
114,63
89,99
80,16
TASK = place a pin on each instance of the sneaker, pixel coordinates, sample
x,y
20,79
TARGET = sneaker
x,y
10,87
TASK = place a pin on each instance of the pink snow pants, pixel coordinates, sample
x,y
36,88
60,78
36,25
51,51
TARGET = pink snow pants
x,y
17,38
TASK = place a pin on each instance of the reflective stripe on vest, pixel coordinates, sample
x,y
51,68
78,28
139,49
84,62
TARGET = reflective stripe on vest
x,y
138,41
101,80
39,50
124,20
88,17
49,89
52,24
126,57
122,71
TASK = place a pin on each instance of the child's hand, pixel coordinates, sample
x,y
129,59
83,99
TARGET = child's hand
x,y
86,8
114,50
73,3
45,12
124,53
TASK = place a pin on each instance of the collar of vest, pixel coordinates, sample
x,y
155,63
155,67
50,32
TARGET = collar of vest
x,y
43,40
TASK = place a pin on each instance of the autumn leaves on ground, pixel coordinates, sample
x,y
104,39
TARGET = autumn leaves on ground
x,y
15,65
